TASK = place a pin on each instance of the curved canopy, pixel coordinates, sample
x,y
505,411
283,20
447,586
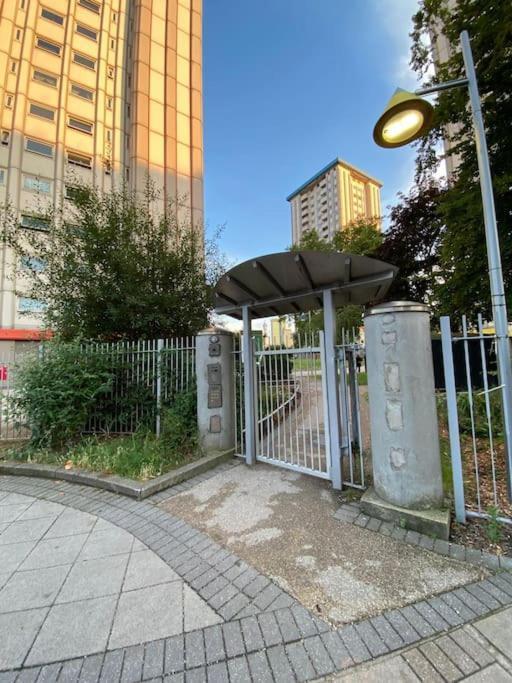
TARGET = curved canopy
x,y
294,281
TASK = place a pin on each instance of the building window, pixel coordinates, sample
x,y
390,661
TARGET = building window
x,y
128,111
33,184
112,44
45,78
18,34
109,103
2,176
114,17
110,71
28,305
39,147
32,263
87,32
82,92
79,160
34,222
48,46
42,112
89,4
84,61
52,16
70,192
82,126
14,67
5,138
108,135
9,101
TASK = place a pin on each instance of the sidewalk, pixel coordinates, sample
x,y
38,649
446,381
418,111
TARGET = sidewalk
x,y
96,587
478,652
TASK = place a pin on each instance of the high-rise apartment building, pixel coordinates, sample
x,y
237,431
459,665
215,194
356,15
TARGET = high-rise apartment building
x,y
108,91
332,199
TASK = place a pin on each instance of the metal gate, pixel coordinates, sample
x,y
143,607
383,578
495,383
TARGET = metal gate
x,y
291,406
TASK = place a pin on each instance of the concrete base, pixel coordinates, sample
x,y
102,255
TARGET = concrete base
x,y
434,523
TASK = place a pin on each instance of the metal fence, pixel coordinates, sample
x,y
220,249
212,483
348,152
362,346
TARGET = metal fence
x,y
147,375
470,417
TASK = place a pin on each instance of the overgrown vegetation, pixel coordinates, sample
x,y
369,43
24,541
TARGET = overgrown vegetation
x,y
111,266
60,392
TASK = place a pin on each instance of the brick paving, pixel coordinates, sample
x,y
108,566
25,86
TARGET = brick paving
x,y
263,633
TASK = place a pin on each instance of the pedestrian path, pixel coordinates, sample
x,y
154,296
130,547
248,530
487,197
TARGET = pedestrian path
x,y
99,587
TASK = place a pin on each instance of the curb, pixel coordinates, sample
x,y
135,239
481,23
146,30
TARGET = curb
x,y
351,513
122,485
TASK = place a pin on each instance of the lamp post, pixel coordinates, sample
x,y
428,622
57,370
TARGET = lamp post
x,y
407,118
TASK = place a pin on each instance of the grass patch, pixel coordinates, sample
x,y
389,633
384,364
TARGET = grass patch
x,y
362,379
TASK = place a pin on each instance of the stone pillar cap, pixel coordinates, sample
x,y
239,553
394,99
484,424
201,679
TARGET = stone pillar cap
x,y
397,307
214,330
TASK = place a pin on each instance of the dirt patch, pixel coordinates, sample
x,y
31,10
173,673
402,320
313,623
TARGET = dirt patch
x,y
282,523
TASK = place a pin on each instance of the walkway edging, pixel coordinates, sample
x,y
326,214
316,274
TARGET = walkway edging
x,y
113,483
351,514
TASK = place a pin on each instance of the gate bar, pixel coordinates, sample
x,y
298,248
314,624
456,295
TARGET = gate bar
x,y
249,389
332,419
453,420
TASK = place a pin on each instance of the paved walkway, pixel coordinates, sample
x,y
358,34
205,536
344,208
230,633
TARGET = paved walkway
x,y
79,604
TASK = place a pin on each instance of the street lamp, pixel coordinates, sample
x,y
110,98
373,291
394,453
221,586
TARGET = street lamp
x,y
408,117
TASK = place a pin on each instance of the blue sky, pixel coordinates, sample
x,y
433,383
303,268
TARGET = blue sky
x,y
288,86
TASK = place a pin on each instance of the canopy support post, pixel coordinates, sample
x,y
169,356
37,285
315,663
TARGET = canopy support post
x,y
249,388
332,419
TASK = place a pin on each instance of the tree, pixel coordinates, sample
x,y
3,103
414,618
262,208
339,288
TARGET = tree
x,y
360,237
412,243
463,254
109,267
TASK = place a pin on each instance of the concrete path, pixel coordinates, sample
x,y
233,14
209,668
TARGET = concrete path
x,y
150,597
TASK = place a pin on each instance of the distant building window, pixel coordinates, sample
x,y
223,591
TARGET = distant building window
x,y
5,137
70,192
89,4
84,61
39,147
78,124
82,92
2,176
33,263
114,17
79,160
28,305
45,78
52,16
42,112
18,34
46,45
108,135
110,71
9,101
109,103
34,222
33,184
14,67
87,32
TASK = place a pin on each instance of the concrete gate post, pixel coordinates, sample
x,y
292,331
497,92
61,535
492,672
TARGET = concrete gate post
x,y
215,390
407,480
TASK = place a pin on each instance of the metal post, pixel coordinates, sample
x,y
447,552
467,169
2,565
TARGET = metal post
x,y
453,420
249,389
160,347
499,307
332,419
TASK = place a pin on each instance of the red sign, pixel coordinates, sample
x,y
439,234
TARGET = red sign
x,y
3,373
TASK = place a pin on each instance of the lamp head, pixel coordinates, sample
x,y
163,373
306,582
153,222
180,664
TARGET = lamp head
x,y
406,118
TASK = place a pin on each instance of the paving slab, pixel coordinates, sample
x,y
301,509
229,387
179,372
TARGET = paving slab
x,y
498,630
18,631
282,524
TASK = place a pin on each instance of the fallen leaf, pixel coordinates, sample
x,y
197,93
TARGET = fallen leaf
x,y
68,465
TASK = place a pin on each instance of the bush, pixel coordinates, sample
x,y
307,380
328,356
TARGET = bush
x,y
55,391
481,421
179,422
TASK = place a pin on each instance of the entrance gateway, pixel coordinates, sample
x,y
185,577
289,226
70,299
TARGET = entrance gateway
x,y
299,407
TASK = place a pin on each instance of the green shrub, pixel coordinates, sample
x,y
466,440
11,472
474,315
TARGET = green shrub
x,y
179,423
481,421
55,391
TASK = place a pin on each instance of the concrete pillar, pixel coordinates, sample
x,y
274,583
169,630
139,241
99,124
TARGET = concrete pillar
x,y
215,389
403,416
